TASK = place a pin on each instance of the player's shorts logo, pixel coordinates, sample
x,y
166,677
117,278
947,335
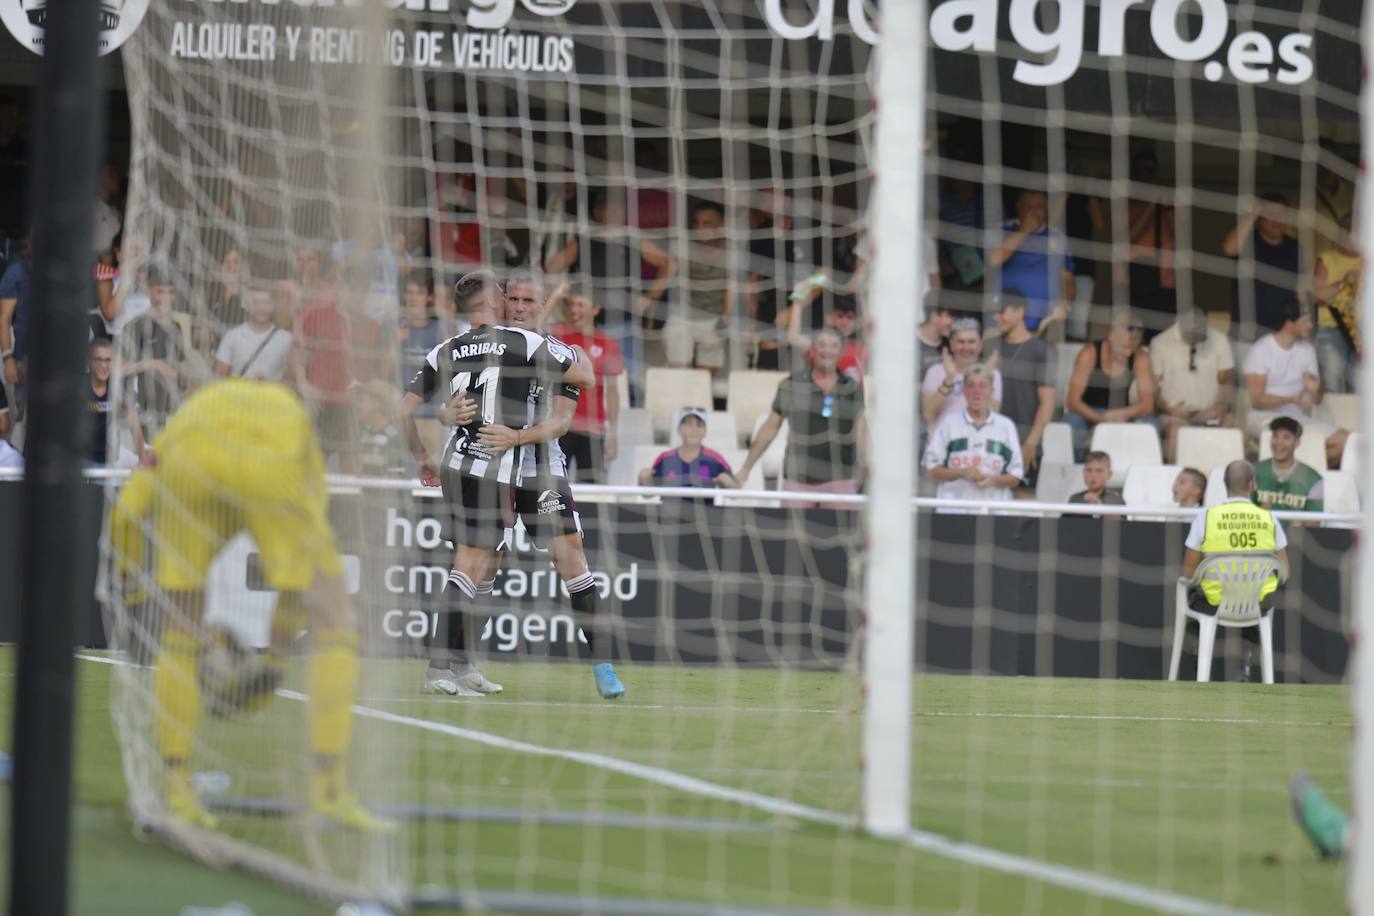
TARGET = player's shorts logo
x,y
550,501
27,21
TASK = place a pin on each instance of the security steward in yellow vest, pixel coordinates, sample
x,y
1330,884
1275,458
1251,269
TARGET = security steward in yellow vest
x,y
1235,526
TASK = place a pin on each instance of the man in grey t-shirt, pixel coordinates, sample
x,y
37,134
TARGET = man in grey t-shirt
x,y
1027,376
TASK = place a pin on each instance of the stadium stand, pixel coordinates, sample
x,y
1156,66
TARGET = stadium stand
x,y
750,396
666,391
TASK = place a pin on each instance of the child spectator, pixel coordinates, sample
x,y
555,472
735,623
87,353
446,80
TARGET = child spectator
x,y
690,464
1097,470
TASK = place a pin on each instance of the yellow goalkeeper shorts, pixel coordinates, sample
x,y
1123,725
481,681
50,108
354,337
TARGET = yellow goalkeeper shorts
x,y
238,456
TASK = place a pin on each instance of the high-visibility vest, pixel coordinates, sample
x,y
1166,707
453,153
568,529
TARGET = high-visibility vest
x,y
1238,527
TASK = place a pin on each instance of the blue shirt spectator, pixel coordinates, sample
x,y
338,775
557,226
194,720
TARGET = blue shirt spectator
x,y
1035,261
15,284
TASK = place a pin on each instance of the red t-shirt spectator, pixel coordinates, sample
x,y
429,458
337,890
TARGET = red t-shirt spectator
x,y
339,351
606,363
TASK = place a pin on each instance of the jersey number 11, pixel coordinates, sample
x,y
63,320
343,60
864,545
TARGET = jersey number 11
x,y
487,382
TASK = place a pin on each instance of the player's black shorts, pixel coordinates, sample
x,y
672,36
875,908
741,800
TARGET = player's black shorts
x,y
481,510
547,510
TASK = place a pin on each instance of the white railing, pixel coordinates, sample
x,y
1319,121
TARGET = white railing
x,y
343,483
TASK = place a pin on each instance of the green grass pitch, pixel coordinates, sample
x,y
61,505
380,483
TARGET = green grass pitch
x,y
1179,787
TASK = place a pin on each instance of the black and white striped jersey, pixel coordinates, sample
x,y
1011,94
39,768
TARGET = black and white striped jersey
x,y
504,370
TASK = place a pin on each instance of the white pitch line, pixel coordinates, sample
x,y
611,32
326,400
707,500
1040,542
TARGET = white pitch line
x,y
931,714
1010,863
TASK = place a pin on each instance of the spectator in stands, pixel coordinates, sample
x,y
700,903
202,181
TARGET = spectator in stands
x,y
100,408
697,329
961,219
224,301
1267,275
9,455
1195,377
1097,471
1035,262
1103,373
591,441
932,336
942,390
1149,268
336,347
1282,481
1234,526
109,209
825,413
257,348
1189,487
381,449
1282,379
773,264
418,331
157,361
1336,289
611,257
1027,377
690,464
14,316
975,453
312,287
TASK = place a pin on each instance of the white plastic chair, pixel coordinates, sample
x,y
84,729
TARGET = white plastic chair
x,y
1207,447
1216,488
1311,448
1128,444
1057,443
1242,577
1353,456
1342,492
666,391
751,393
1150,485
1057,482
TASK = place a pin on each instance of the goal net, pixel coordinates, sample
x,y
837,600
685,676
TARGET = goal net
x,y
722,182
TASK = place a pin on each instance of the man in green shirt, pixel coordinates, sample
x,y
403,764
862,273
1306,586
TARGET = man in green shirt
x,y
1284,482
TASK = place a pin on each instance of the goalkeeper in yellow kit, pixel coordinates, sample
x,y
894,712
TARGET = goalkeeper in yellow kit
x,y
237,456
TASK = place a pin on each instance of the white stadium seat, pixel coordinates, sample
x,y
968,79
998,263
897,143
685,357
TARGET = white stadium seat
x,y
1057,482
1352,459
636,427
666,391
1128,444
1342,492
622,387
1207,447
771,460
1216,488
751,393
1311,448
1342,411
1150,485
1057,443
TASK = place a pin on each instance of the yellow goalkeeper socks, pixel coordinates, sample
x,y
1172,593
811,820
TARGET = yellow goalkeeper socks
x,y
332,683
176,691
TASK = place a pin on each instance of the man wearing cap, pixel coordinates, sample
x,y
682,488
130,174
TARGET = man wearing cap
x,y
690,464
1282,481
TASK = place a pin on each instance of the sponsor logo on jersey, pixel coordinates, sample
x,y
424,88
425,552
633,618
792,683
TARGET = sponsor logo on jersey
x,y
561,351
27,21
468,351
